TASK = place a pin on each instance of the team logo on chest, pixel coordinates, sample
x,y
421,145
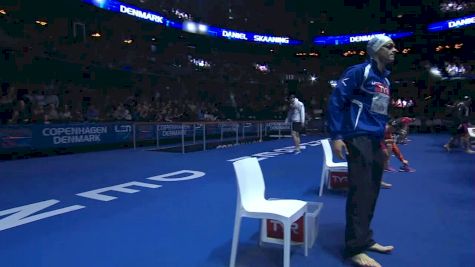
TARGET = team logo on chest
x,y
380,88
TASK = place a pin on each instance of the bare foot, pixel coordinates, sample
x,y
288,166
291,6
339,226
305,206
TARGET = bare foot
x,y
364,260
385,185
381,249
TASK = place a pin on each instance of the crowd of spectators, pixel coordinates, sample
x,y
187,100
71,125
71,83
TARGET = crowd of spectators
x,y
39,107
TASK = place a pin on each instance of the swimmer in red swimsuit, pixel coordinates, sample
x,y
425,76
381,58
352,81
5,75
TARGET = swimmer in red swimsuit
x,y
389,146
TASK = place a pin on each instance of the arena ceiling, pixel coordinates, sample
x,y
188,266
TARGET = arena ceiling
x,y
299,19
303,18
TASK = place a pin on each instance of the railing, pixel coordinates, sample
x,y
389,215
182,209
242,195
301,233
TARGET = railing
x,y
159,135
204,134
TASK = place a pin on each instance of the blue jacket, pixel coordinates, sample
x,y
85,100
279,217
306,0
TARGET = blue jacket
x,y
359,103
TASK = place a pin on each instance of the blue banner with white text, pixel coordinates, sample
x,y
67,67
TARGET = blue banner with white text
x,y
45,136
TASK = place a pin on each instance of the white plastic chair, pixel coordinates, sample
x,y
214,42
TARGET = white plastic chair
x,y
471,134
329,165
251,203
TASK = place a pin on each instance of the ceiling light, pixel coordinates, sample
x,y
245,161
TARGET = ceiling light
x,y
190,26
40,22
202,28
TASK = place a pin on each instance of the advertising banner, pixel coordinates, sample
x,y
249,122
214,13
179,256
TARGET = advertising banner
x,y
42,136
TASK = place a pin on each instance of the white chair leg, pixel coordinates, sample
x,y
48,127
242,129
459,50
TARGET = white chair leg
x,y
322,182
263,233
237,225
305,233
287,237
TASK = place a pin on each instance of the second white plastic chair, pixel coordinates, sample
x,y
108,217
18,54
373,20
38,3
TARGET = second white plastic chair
x,y
329,165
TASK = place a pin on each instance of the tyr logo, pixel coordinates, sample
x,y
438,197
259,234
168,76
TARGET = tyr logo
x,y
338,180
381,88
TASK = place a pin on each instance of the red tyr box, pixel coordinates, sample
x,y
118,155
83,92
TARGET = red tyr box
x,y
272,231
338,180
275,230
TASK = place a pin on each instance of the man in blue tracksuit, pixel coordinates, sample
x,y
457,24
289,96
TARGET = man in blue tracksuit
x,y
357,115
